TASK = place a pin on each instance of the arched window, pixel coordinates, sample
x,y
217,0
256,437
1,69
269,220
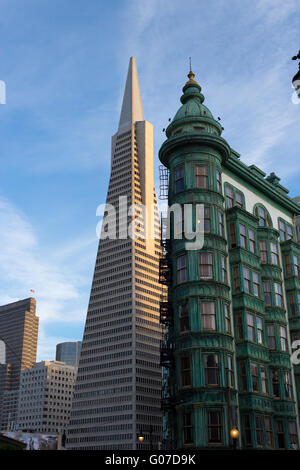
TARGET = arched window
x,y
264,219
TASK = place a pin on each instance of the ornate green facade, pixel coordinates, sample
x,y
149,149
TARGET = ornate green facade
x,y
234,305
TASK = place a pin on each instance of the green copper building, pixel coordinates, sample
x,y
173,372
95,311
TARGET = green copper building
x,y
233,310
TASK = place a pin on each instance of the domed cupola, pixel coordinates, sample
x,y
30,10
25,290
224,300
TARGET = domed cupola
x,y
193,116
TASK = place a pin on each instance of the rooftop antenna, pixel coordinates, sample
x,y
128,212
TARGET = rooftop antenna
x,y
190,63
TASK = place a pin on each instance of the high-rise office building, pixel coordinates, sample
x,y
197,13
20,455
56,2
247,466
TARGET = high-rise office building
x,y
235,301
69,352
19,332
118,388
45,397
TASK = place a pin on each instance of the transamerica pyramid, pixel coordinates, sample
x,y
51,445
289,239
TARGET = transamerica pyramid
x,y
118,388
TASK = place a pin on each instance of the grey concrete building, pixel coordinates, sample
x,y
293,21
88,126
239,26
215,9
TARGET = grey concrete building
x,y
45,397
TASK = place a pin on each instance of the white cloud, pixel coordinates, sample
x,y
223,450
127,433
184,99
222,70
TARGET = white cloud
x,y
20,259
243,70
59,283
275,11
47,345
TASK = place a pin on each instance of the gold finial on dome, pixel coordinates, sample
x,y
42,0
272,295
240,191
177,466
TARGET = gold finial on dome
x,y
191,75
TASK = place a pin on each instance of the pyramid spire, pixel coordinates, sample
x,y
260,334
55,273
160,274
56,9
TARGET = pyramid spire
x,y
132,109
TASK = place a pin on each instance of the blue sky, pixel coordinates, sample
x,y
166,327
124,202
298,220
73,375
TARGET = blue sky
x,y
65,63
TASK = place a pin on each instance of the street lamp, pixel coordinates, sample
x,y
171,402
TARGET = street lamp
x,y
141,436
234,434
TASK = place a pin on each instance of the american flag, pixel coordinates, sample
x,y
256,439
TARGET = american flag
x,y
32,291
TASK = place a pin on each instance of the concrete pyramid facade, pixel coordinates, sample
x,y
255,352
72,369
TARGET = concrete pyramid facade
x,y
118,388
